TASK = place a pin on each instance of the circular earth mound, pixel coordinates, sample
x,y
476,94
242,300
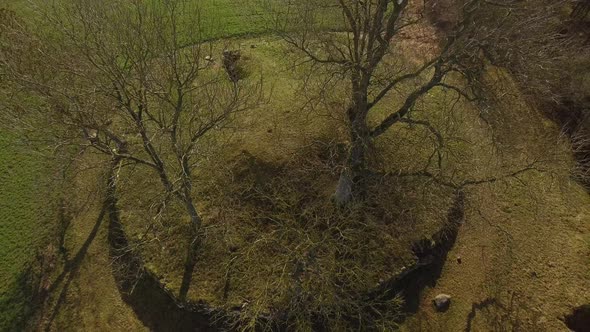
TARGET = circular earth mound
x,y
275,251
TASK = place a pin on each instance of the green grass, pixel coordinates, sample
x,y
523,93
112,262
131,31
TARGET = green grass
x,y
232,17
219,18
22,226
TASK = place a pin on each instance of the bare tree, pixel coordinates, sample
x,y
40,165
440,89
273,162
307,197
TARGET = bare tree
x,y
367,54
127,79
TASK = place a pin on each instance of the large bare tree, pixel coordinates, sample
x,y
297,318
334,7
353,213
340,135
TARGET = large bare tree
x,y
365,50
128,79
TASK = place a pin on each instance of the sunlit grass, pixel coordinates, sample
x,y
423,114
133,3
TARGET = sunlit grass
x,y
22,223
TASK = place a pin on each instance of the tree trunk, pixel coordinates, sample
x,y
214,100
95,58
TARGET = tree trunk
x,y
349,186
191,255
193,214
350,183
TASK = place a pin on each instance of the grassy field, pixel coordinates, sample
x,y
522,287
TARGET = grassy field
x,y
219,18
216,18
232,17
276,131
23,224
23,211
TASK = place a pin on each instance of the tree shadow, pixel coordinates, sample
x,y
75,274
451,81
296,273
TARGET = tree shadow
x,y
475,307
431,255
154,305
512,314
187,277
71,269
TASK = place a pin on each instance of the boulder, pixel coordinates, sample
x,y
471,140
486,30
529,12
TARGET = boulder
x,y
442,302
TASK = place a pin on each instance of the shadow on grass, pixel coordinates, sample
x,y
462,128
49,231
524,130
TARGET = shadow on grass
x,y
475,307
71,270
155,305
431,255
18,302
187,277
579,319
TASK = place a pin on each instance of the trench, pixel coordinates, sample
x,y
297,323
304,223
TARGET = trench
x,y
431,257
155,305
160,310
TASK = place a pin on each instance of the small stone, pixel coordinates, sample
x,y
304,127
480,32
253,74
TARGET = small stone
x,y
209,58
459,260
551,264
442,302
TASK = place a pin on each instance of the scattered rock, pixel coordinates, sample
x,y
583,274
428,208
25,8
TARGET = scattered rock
x,y
459,260
442,302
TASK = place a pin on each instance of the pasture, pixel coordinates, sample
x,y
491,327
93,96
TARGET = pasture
x,y
24,220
